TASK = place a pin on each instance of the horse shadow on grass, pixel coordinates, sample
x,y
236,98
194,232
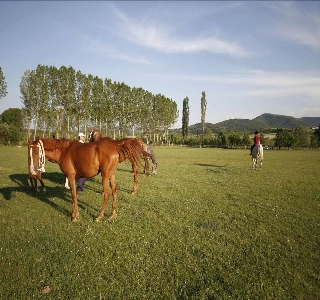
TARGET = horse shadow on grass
x,y
213,168
22,185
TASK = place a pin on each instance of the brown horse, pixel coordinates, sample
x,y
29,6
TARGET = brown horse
x,y
96,136
89,159
36,163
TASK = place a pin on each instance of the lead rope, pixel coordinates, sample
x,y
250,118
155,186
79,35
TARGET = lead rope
x,y
31,167
42,157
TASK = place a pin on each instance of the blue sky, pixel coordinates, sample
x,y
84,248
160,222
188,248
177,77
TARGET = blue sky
x,y
249,57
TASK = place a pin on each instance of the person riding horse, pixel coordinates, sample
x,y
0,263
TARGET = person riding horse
x,y
256,141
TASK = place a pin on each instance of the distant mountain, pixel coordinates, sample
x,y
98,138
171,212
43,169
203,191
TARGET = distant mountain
x,y
315,121
260,123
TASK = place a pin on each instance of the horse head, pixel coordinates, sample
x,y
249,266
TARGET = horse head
x,y
94,135
37,157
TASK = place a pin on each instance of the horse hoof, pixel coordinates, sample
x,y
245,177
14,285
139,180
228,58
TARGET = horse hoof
x,y
111,217
74,220
44,190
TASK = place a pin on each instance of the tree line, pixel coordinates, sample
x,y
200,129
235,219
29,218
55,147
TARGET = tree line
x,y
300,137
63,101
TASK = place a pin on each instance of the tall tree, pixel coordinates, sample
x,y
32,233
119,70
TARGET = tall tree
x,y
97,102
26,98
56,104
85,106
3,85
145,114
43,88
170,116
107,104
246,141
39,88
185,118
317,134
281,138
302,136
203,113
13,116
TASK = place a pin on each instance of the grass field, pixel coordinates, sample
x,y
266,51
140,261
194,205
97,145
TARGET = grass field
x,y
206,227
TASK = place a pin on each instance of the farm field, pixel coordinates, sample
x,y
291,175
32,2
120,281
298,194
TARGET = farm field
x,y
206,227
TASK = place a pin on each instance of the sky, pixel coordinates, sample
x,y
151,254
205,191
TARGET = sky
x,y
249,57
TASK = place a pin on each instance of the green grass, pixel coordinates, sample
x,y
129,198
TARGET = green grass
x,y
206,227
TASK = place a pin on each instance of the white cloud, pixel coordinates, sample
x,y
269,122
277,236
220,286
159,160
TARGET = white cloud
x,y
259,83
161,38
97,46
299,27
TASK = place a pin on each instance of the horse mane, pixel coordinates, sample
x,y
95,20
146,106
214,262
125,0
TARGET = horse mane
x,y
131,150
52,144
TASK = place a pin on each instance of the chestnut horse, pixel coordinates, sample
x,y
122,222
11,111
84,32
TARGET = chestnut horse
x,y
96,136
88,160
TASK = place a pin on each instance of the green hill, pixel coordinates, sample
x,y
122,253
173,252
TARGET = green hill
x,y
261,123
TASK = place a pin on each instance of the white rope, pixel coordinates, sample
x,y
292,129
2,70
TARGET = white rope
x,y
31,167
42,157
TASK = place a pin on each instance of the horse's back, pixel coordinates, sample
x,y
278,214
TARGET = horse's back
x,y
260,151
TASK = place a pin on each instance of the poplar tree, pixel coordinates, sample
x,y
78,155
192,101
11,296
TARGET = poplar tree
x,y
203,114
185,118
3,85
25,90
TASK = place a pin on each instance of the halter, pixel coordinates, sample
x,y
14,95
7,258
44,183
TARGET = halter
x,y
41,161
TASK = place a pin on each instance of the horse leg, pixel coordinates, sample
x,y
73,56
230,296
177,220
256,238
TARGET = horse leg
x,y
114,195
36,183
146,166
32,182
135,179
154,168
41,181
75,209
42,185
66,185
105,184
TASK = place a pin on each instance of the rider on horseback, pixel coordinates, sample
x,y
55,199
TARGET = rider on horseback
x,y
256,141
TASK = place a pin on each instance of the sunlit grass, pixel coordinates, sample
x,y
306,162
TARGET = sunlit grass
x,y
206,227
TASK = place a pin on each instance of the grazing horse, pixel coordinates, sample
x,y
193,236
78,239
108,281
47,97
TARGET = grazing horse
x,y
153,159
89,159
96,136
257,153
36,163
